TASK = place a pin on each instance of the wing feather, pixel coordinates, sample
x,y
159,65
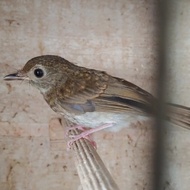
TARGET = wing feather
x,y
104,93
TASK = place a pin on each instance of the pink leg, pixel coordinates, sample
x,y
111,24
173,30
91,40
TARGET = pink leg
x,y
85,134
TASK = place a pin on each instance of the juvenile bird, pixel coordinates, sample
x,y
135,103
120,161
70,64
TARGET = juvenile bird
x,y
92,98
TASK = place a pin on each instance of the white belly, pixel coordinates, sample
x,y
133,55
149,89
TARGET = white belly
x,y
96,119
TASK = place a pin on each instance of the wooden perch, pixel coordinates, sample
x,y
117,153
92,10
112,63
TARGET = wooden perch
x,y
91,170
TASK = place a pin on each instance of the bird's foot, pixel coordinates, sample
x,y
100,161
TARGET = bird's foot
x,y
78,137
86,134
81,128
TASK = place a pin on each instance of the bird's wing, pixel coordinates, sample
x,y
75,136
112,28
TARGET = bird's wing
x,y
107,95
123,96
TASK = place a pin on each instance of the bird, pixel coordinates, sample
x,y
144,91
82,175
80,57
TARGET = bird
x,y
92,98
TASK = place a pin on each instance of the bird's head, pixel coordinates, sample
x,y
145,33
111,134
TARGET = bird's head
x,y
43,72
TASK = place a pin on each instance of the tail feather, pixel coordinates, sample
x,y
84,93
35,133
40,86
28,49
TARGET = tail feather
x,y
179,115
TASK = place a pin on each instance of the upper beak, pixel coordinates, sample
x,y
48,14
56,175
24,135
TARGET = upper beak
x,y
15,76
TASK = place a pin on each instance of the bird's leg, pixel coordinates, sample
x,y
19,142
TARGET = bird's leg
x,y
85,134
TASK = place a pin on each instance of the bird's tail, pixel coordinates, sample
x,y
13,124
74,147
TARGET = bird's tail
x,y
179,115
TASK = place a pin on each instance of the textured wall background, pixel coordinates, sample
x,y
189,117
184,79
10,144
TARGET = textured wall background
x,y
117,36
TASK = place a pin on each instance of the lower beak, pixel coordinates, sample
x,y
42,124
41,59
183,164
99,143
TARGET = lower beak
x,y
15,76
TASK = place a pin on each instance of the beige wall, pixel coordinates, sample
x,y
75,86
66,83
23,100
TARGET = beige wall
x,y
117,36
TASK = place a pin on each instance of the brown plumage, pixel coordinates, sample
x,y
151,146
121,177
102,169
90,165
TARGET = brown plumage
x,y
90,97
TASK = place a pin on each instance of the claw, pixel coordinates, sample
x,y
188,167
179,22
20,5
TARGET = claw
x,y
78,137
74,127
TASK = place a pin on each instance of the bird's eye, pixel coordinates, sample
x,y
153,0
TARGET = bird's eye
x,y
39,73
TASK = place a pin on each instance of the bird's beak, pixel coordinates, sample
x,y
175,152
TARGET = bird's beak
x,y
16,76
